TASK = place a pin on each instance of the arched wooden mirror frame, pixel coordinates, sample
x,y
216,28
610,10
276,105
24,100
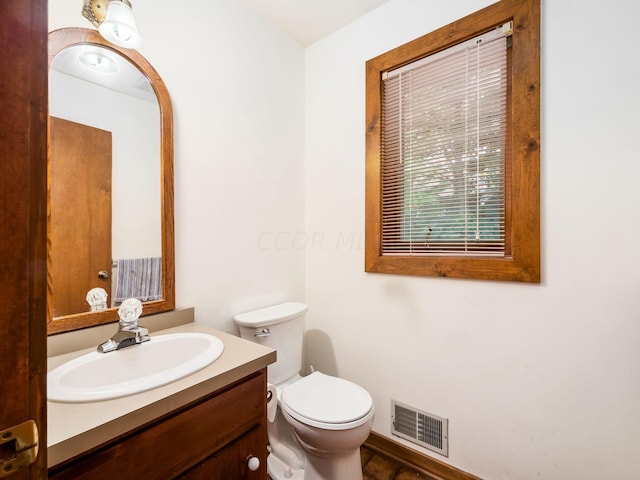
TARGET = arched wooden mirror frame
x,y
66,37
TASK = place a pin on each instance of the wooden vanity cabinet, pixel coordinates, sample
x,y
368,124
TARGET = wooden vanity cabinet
x,y
212,438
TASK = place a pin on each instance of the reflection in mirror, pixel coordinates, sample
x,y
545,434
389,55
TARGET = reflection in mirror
x,y
110,182
105,179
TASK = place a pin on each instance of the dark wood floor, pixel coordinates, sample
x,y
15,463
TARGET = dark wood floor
x,y
376,466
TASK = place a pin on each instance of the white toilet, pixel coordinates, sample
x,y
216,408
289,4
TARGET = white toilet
x,y
321,421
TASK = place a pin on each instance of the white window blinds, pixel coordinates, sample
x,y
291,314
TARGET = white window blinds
x,y
443,151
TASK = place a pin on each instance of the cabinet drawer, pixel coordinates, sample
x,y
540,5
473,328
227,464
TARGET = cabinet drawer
x,y
181,440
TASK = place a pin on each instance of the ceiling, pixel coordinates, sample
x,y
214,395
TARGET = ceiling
x,y
310,20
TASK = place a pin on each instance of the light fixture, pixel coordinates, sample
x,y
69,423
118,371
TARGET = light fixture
x,y
119,26
115,21
98,61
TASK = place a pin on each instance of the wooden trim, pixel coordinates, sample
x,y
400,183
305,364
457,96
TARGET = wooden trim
x,y
432,468
523,184
63,38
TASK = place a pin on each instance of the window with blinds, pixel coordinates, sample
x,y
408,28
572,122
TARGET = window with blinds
x,y
452,129
443,147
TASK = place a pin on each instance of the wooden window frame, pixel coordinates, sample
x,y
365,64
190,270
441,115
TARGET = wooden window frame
x,y
521,261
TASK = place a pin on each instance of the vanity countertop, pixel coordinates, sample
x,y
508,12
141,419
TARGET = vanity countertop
x,y
74,428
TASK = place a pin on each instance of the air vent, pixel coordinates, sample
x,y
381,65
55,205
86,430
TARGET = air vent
x,y
421,428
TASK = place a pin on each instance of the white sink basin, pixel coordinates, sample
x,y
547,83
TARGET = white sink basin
x,y
102,376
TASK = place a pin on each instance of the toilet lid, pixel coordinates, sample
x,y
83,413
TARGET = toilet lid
x,y
323,399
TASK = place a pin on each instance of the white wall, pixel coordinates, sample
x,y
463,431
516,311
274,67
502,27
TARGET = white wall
x,y
236,84
538,381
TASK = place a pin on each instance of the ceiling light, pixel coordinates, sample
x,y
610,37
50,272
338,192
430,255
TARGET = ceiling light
x,y
115,21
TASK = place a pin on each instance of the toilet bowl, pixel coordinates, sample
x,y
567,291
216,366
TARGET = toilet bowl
x,y
321,420
331,418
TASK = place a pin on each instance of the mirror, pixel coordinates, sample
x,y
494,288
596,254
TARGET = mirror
x,y
111,212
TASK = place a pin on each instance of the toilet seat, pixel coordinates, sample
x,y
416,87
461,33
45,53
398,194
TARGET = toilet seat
x,y
327,402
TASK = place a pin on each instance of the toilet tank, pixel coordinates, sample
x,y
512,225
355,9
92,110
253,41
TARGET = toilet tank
x,y
280,327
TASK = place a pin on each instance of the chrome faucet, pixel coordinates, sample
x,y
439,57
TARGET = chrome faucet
x,y
129,332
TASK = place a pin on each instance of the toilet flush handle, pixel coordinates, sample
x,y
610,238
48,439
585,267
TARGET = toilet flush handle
x,y
262,333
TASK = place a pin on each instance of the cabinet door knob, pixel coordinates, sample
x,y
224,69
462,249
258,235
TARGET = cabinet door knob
x,y
253,463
